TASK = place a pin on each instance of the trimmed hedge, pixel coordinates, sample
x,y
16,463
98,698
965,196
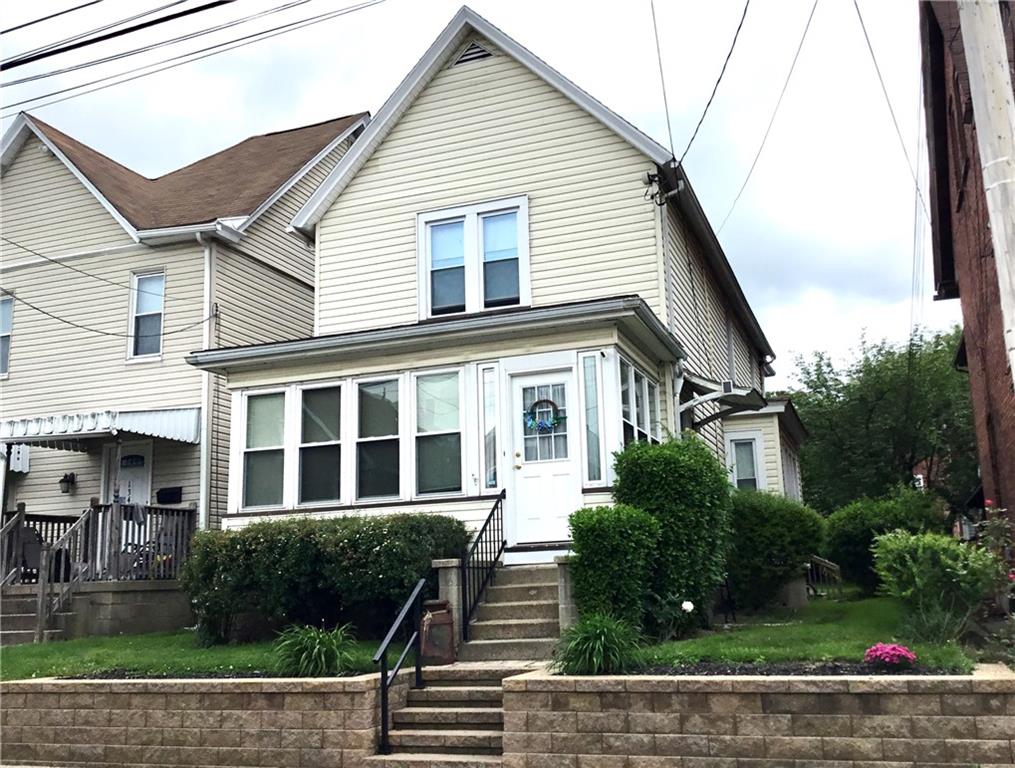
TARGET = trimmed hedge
x,y
773,538
853,528
614,549
356,569
686,489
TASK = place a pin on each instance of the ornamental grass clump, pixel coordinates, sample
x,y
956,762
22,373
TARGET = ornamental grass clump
x,y
890,656
314,651
597,644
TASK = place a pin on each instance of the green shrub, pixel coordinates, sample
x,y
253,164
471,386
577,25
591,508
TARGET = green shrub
x,y
939,581
773,538
852,529
613,549
314,651
686,489
596,644
315,572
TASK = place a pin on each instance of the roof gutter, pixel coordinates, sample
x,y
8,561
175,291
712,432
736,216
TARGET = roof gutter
x,y
463,329
223,229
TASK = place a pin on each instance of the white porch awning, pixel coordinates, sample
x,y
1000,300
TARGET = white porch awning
x,y
65,430
730,397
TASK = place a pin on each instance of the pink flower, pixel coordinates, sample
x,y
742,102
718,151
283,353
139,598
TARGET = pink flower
x,y
1011,575
889,655
988,502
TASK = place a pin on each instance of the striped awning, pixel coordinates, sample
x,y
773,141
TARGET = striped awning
x,y
65,429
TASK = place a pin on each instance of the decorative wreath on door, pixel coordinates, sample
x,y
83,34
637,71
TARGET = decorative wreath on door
x,y
542,426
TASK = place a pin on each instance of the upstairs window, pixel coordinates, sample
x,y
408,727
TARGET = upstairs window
x,y
6,329
474,258
146,314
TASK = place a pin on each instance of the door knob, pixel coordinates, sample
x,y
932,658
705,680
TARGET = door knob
x,y
518,466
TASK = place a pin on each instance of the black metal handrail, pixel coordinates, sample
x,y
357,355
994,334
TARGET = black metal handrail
x,y
415,641
481,560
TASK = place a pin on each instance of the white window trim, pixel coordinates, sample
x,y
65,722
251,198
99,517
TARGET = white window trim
x,y
132,313
473,267
597,358
10,336
413,433
297,439
757,437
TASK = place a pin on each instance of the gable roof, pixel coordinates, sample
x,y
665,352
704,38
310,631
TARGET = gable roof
x,y
232,183
467,22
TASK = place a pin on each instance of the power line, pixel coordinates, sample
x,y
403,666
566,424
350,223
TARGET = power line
x,y
662,78
65,321
78,270
716,86
21,61
154,46
103,28
207,52
47,18
771,120
891,110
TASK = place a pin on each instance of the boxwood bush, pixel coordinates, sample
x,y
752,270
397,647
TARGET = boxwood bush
x,y
614,551
686,489
853,528
317,572
773,538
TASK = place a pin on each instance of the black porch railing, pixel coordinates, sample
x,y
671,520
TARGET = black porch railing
x,y
481,560
414,643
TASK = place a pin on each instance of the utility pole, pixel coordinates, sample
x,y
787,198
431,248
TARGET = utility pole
x,y
990,86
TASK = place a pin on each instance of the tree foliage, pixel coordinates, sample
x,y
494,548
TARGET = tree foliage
x,y
875,419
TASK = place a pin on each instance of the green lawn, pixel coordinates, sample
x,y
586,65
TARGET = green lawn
x,y
824,631
175,654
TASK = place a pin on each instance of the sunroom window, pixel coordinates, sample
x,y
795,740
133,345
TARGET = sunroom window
x,y
264,452
639,405
320,445
474,258
438,434
377,449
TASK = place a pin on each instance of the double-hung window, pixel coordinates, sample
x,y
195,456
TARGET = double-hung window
x,y
6,329
742,453
474,258
320,444
147,298
264,450
378,447
639,405
438,433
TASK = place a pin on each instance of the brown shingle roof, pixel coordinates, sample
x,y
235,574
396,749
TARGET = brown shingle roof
x,y
233,182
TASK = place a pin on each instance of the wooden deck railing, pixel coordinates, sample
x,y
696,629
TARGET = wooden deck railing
x,y
107,542
823,576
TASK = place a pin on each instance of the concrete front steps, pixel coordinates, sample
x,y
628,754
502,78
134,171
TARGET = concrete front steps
x,y
518,618
18,606
457,721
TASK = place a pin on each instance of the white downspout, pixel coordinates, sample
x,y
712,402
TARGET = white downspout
x,y
204,494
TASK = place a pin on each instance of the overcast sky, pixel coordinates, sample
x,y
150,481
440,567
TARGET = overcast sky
x,y
822,239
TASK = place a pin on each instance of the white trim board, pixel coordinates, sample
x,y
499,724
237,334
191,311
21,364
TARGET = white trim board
x,y
464,23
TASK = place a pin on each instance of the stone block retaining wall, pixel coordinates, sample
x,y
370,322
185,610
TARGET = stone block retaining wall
x,y
744,722
326,723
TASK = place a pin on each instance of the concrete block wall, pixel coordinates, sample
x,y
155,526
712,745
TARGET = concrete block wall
x,y
717,722
129,608
303,723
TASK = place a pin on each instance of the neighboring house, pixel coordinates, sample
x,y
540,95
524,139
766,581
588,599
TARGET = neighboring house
x,y
110,278
964,260
513,282
763,449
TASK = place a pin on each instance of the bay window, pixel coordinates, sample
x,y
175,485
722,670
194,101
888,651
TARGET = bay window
x,y
639,405
320,444
264,450
378,449
474,258
438,433
589,370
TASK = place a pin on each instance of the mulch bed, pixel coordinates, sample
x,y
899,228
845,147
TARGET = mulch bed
x,y
783,668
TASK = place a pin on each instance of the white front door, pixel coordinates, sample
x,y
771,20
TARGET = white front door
x,y
128,473
545,454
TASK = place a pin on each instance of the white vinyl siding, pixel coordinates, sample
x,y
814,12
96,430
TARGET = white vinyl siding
x,y
490,130
98,374
47,209
267,238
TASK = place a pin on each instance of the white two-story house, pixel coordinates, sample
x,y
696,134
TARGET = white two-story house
x,y
513,282
109,278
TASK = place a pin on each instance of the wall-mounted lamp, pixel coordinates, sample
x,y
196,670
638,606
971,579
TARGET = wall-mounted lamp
x,y
67,482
